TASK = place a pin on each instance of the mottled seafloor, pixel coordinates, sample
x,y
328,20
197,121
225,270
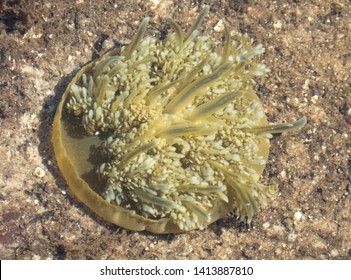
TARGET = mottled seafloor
x,y
43,43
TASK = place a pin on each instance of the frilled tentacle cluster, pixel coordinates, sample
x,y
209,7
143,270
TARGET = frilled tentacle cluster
x,y
184,125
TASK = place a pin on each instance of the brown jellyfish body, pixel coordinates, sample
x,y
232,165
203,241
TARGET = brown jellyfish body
x,y
167,135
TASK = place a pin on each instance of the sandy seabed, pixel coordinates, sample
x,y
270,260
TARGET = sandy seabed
x,y
43,43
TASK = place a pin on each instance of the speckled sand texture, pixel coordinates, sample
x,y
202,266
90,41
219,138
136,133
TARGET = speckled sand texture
x,y
43,43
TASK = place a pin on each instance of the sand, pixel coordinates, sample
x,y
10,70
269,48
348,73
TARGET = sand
x,y
307,43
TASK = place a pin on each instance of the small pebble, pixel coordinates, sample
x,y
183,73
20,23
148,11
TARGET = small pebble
x,y
219,27
39,172
297,216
